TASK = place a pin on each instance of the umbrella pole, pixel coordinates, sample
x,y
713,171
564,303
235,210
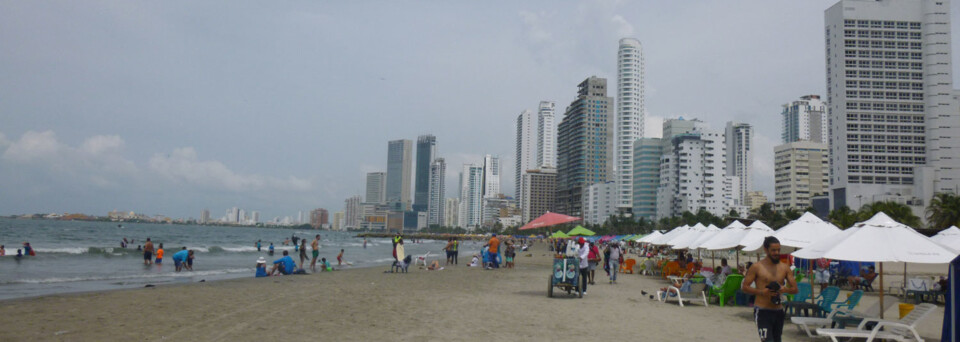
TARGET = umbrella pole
x,y
881,289
810,275
713,256
904,291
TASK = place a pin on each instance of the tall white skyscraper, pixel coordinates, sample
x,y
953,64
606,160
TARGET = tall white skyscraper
x,y
693,170
740,157
353,214
438,175
376,187
471,196
491,176
599,202
895,125
805,120
526,148
546,135
630,116
451,215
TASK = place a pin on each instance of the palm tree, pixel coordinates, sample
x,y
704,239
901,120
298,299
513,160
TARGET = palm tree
x,y
943,211
843,217
899,212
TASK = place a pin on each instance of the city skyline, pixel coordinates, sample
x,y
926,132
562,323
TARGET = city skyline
x,y
192,131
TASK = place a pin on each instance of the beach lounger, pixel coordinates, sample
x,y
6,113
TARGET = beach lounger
x,y
904,329
696,289
423,259
810,324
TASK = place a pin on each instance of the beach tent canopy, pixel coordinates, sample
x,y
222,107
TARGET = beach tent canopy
x,y
647,238
728,237
755,233
549,219
662,240
949,237
580,231
704,237
559,234
684,239
799,233
689,240
879,239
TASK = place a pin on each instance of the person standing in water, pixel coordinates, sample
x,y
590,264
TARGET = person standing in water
x,y
258,245
364,242
148,252
772,278
159,255
340,258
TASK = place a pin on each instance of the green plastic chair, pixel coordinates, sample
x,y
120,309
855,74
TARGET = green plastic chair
x,y
729,288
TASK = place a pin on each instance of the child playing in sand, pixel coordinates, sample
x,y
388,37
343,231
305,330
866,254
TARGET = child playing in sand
x,y
261,267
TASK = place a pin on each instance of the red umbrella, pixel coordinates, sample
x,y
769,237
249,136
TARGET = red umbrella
x,y
549,219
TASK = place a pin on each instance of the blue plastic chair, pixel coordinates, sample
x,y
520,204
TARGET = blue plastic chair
x,y
796,301
852,300
827,298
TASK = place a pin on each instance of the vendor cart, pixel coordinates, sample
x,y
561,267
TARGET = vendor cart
x,y
565,276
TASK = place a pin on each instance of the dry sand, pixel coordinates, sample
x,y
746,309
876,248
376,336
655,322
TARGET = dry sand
x,y
456,304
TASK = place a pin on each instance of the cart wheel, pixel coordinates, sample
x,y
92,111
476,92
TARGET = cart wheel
x,y
550,287
579,291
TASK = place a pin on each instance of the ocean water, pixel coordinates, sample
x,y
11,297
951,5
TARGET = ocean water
x,y
76,256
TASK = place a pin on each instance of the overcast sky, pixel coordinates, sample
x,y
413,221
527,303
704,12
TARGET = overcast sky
x,y
168,107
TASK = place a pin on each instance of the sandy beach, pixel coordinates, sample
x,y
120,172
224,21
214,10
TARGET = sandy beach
x,y
455,304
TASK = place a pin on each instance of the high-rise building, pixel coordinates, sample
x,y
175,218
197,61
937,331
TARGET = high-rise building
x,y
740,157
693,170
471,196
338,220
438,175
546,135
802,171
646,177
426,152
895,125
319,217
599,202
376,187
584,145
255,217
539,193
630,116
451,215
353,214
526,148
491,176
805,119
205,216
754,200
399,164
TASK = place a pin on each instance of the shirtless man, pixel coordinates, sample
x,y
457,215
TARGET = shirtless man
x,y
767,311
315,245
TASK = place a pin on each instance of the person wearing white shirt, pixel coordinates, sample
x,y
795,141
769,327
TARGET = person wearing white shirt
x,y
584,263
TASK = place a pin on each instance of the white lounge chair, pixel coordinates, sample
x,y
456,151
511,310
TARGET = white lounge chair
x,y
902,330
810,324
695,290
422,259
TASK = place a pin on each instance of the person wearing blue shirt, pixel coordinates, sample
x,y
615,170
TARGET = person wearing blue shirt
x,y
261,267
179,258
284,265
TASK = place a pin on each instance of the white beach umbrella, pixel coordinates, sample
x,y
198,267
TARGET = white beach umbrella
x,y
684,241
755,233
727,238
879,239
949,237
647,238
799,233
704,237
662,240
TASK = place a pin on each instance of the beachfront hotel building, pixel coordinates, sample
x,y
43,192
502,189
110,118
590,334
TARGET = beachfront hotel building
x,y
426,152
805,119
646,176
376,187
584,145
399,165
600,201
491,176
546,135
802,170
539,193
693,170
740,158
894,121
471,196
435,205
630,116
526,148
336,223
451,215
352,212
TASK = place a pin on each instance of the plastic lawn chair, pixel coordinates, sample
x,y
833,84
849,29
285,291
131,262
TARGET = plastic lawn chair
x,y
798,300
904,329
810,324
852,300
627,266
728,289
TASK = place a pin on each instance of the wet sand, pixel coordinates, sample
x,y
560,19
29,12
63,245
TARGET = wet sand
x,y
455,304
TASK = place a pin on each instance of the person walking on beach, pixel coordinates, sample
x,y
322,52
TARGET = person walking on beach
x,y
449,249
456,250
148,252
772,278
494,251
340,258
159,255
315,246
179,258
614,261
303,252
584,255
